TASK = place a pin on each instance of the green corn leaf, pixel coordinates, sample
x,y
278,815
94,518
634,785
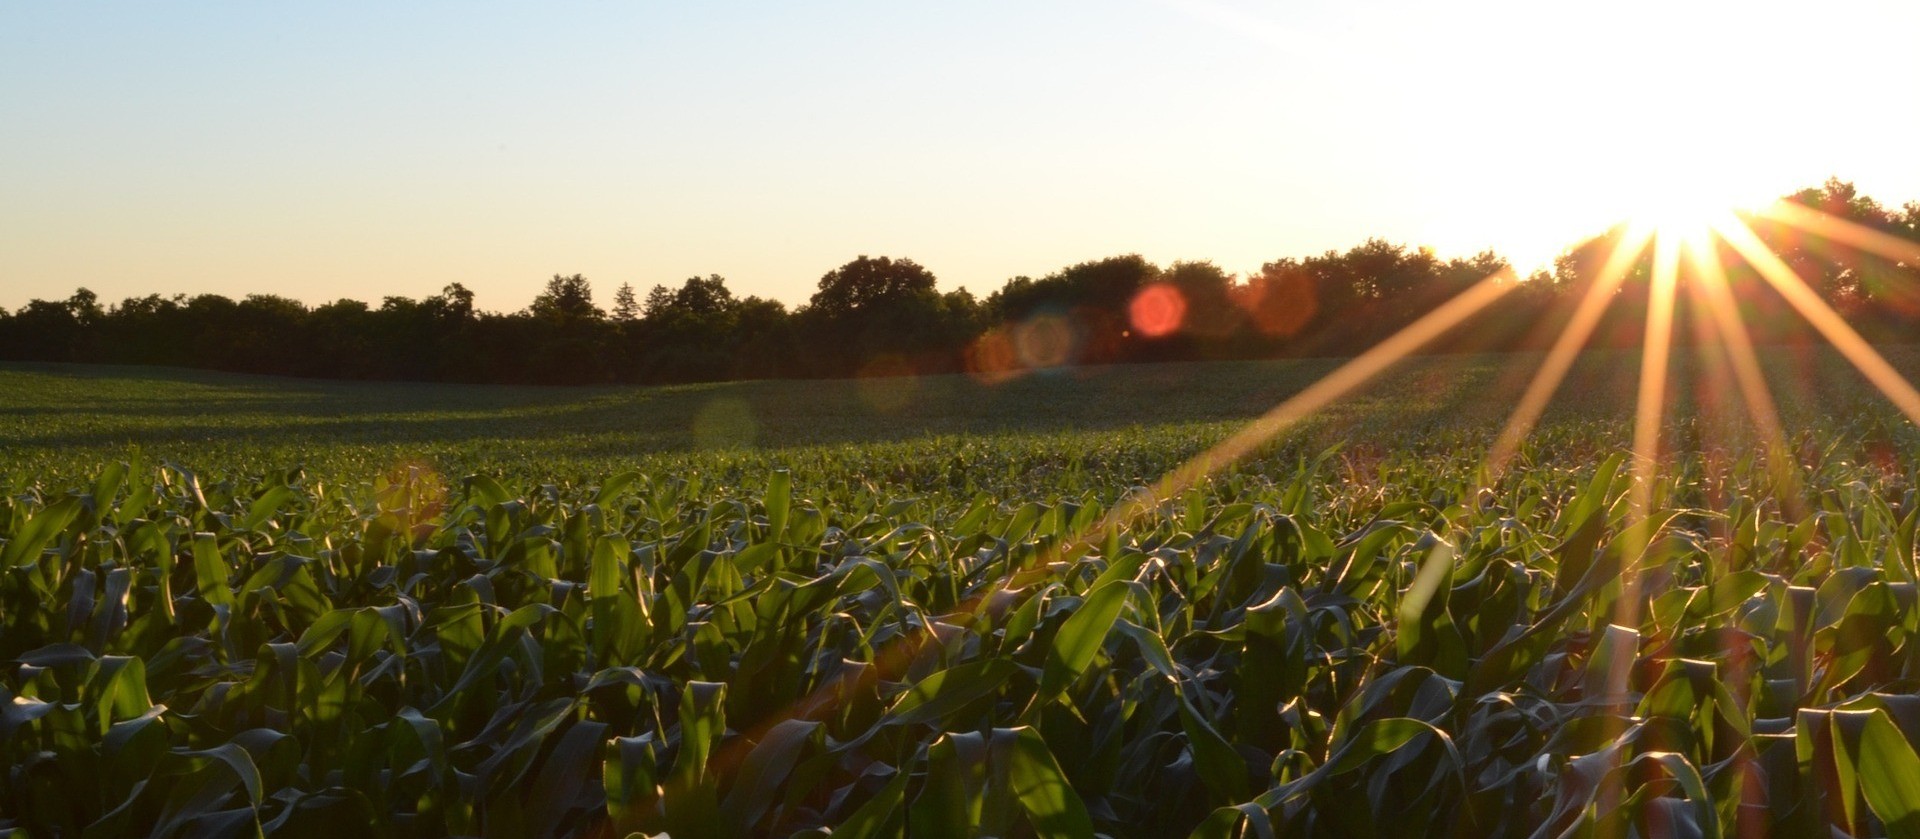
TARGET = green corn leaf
x,y
25,546
779,500
950,800
880,815
763,776
1889,775
1080,639
210,571
933,698
1052,806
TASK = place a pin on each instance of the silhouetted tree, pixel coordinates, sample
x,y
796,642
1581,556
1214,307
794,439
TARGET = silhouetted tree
x,y
45,330
625,307
867,282
658,299
1209,316
1093,297
875,307
765,344
689,334
566,300
1280,300
454,302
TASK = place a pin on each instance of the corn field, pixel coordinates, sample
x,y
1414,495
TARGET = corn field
x,y
1293,648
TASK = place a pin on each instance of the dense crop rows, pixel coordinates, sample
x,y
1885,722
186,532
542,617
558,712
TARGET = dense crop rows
x,y
1277,651
875,632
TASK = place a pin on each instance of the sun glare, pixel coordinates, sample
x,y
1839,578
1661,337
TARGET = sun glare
x,y
1682,212
1680,218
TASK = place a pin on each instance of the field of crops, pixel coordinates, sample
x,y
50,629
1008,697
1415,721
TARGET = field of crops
x,y
234,606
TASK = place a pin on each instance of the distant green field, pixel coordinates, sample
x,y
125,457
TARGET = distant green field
x,y
67,415
1114,423
235,606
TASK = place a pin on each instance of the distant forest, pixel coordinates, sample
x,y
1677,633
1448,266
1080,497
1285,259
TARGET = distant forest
x,y
884,316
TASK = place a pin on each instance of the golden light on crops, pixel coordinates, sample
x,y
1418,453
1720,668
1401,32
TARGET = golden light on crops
x,y
1566,347
1649,411
1680,241
1724,329
1362,369
1816,311
1694,230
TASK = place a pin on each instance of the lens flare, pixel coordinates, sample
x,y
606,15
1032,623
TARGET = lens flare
x,y
991,358
1046,340
1157,310
1280,304
725,423
888,383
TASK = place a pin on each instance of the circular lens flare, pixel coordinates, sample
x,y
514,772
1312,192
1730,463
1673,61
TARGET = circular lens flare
x,y
1157,310
1045,341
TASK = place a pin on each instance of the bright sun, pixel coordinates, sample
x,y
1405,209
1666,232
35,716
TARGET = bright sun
x,y
1681,213
1681,189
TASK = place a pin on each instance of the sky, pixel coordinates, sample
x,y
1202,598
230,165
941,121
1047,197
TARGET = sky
x,y
360,150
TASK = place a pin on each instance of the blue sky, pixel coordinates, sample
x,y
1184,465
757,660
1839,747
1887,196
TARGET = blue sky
x,y
359,150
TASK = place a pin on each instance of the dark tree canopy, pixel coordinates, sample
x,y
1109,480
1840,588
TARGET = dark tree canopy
x,y
867,282
566,299
886,315
704,296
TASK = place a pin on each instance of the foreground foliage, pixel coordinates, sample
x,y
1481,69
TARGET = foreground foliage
x,y
1283,650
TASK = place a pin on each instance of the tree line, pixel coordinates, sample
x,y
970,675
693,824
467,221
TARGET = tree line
x,y
886,316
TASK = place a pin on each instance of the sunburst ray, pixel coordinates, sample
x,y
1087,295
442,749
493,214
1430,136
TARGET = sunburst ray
x,y
1829,226
1828,322
888,661
1560,358
1711,288
1342,381
1649,414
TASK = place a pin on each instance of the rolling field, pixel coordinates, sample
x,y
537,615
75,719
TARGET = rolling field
x,y
236,605
62,422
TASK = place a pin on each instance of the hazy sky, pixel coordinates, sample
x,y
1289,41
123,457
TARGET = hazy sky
x,y
327,150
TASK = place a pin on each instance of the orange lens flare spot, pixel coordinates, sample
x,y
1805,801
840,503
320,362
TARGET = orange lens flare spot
x,y
1158,310
991,358
1279,305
